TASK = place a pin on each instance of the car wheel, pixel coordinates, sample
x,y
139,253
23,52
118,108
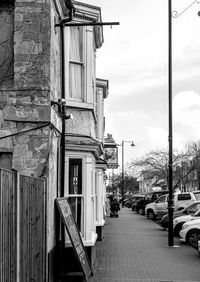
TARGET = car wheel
x,y
151,215
141,211
177,228
192,238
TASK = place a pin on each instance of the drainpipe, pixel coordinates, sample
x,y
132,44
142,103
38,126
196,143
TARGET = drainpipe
x,y
63,113
63,105
61,243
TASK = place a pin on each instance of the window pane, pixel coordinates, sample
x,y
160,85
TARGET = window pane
x,y
76,206
76,64
183,197
161,199
75,176
76,48
75,81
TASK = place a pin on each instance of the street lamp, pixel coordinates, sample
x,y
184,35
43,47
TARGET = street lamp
x,y
171,14
132,145
170,164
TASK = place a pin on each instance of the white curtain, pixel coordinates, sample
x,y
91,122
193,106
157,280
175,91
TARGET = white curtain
x,y
76,63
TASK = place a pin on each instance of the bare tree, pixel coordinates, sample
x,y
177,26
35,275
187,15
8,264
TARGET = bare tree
x,y
156,164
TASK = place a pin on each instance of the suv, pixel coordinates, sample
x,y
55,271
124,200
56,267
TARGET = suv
x,y
149,197
160,206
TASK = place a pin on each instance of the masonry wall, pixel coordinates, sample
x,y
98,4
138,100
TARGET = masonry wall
x,y
32,81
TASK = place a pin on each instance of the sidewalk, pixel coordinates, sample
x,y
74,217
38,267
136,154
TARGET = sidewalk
x,y
135,249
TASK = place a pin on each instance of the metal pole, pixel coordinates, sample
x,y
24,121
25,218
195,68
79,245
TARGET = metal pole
x,y
63,110
122,171
170,181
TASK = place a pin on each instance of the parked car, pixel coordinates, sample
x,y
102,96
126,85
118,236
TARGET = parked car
x,y
125,199
190,232
149,197
160,207
133,206
179,221
191,209
128,203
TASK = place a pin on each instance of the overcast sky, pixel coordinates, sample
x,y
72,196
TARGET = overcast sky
x,y
134,59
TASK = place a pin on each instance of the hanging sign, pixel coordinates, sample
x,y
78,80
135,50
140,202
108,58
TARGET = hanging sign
x,y
111,155
74,235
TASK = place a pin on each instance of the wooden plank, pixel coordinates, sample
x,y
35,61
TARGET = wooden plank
x,y
7,227
33,238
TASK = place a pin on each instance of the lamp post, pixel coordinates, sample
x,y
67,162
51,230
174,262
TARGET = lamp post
x,y
170,164
133,145
171,14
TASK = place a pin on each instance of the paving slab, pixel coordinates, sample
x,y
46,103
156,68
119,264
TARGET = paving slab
x,y
135,249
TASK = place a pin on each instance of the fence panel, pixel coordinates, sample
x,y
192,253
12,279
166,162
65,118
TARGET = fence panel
x,y
32,229
8,224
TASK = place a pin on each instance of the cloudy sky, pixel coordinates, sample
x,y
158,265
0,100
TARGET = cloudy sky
x,y
134,59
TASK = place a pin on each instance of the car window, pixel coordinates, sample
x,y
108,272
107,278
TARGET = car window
x,y
183,197
148,197
156,195
161,199
197,213
197,196
193,208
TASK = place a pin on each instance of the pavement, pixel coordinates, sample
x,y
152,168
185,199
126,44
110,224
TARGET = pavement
x,y
135,249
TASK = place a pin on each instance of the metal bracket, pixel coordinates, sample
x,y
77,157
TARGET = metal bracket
x,y
63,23
176,14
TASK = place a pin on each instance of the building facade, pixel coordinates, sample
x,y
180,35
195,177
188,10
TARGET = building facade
x,y
43,63
84,133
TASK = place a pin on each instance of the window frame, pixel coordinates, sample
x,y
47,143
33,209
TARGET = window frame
x,y
82,63
77,195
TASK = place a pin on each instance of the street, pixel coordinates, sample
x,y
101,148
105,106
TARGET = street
x,y
135,249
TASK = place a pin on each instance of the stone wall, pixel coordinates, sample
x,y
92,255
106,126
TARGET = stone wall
x,y
27,120
32,44
25,104
6,43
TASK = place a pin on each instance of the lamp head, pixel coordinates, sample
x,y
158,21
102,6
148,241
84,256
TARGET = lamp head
x,y
132,144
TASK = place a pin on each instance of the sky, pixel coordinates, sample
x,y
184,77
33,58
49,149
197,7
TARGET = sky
x,y
134,58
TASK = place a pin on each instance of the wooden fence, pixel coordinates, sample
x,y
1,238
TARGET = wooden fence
x,y
22,228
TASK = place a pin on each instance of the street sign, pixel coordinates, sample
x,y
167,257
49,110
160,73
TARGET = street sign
x,y
74,235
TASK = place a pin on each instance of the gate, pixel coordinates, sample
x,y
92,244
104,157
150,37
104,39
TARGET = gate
x,y
22,228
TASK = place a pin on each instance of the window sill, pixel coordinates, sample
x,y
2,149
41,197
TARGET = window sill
x,y
92,241
100,223
82,105
86,243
